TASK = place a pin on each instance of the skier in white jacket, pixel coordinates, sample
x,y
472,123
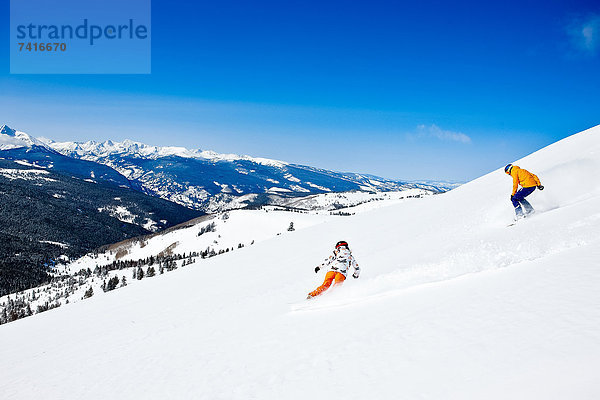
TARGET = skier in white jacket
x,y
339,263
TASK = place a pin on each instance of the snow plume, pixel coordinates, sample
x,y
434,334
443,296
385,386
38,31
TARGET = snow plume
x,y
441,134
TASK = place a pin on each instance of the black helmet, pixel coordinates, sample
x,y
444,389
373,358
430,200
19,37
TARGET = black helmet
x,y
341,243
507,168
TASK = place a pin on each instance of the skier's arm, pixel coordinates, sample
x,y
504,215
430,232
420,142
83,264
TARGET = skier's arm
x,y
537,180
354,264
324,264
515,184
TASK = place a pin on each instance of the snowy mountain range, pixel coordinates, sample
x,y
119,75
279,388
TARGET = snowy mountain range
x,y
451,303
210,181
202,180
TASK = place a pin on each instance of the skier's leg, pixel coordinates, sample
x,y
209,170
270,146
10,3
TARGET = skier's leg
x,y
528,208
521,194
518,212
339,278
329,277
520,198
515,201
517,206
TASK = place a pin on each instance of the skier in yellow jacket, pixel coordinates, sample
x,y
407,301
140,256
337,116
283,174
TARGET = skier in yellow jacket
x,y
528,182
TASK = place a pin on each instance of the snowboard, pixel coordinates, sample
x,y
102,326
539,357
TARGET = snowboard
x,y
515,221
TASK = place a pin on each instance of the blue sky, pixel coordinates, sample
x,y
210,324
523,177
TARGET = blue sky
x,y
410,90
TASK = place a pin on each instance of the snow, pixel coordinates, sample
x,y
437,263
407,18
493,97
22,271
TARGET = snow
x,y
27,164
25,174
150,225
318,187
275,189
119,212
240,226
93,151
352,202
63,245
299,189
291,178
451,304
12,139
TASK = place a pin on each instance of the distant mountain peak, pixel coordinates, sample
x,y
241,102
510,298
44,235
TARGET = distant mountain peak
x,y
13,139
6,130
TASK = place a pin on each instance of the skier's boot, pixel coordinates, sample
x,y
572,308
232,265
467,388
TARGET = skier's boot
x,y
528,208
518,214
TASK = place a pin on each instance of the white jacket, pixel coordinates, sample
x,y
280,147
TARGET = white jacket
x,y
341,261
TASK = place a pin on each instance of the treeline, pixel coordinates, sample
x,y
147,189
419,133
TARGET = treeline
x,y
63,287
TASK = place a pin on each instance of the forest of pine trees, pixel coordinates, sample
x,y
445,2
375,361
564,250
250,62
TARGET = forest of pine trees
x,y
62,287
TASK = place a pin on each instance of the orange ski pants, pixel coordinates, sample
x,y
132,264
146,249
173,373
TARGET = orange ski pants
x,y
329,277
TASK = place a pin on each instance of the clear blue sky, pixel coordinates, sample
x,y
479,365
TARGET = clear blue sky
x,y
411,90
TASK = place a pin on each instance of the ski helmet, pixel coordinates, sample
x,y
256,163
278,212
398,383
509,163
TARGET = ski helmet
x,y
341,243
508,168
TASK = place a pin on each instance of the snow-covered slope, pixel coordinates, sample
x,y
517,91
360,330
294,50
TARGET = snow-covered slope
x,y
218,232
451,304
350,202
203,237
238,228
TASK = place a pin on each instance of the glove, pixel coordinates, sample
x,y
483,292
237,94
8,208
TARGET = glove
x,y
355,275
511,197
317,269
541,187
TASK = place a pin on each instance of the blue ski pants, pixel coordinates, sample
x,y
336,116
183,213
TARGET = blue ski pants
x,y
518,200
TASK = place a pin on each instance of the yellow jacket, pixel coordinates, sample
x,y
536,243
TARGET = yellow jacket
x,y
523,177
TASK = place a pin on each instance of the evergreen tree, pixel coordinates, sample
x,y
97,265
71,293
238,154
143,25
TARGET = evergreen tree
x,y
88,293
112,284
151,272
